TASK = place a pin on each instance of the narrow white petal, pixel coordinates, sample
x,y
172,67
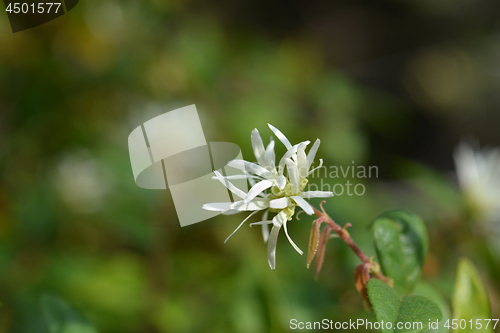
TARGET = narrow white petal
x,y
316,194
271,246
303,204
312,153
316,168
249,216
258,147
291,241
270,156
263,195
279,218
265,228
257,189
293,175
229,185
247,176
280,136
251,179
281,182
280,203
302,161
265,214
231,212
289,154
263,223
250,167
256,204
218,206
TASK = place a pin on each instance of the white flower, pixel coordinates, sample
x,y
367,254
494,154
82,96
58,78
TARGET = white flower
x,y
478,173
272,191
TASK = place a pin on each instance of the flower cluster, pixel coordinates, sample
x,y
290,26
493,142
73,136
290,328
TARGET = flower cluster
x,y
272,189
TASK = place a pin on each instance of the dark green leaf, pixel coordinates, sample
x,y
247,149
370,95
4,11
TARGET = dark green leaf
x,y
407,314
427,291
61,318
401,242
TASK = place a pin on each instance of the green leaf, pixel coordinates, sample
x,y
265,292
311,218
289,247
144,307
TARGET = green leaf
x,y
400,314
427,291
401,243
470,299
61,318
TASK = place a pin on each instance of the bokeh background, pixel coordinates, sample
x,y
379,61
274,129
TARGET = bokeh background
x,y
395,84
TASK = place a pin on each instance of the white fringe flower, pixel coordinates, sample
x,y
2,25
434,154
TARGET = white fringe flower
x,y
272,191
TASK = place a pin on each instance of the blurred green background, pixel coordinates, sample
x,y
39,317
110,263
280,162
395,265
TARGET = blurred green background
x,y
396,84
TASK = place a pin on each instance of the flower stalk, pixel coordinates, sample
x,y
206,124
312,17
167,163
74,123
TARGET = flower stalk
x,y
374,267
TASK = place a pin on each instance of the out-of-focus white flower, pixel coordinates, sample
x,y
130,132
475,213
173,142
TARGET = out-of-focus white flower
x,y
272,191
81,181
478,174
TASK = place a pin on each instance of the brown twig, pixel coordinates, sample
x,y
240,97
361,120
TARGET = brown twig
x,y
344,235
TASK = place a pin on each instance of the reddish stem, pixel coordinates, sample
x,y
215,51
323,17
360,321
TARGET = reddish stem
x,y
350,242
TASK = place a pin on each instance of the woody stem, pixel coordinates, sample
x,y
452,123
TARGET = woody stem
x,y
344,235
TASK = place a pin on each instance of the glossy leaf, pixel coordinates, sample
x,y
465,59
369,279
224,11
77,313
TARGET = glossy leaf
x,y
470,299
408,314
401,243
